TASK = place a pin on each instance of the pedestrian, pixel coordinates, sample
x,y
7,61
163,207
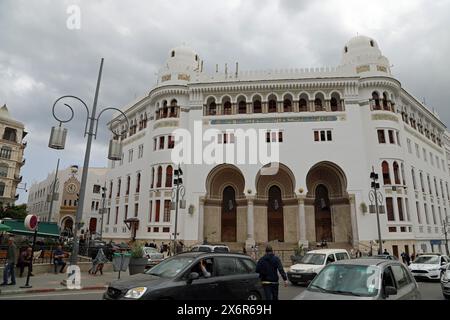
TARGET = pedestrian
x,y
244,250
10,261
58,259
98,263
268,267
407,259
413,257
385,252
25,260
403,257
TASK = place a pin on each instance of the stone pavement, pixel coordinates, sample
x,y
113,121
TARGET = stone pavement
x,y
50,282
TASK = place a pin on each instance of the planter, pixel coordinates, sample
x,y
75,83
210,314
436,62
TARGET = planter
x,y
137,265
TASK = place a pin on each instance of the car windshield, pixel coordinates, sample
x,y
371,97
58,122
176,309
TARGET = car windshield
x,y
352,280
313,258
170,268
221,249
427,260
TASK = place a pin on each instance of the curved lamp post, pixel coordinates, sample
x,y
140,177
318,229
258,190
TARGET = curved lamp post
x,y
58,140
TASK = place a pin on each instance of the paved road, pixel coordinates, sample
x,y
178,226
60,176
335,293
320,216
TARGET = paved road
x,y
429,291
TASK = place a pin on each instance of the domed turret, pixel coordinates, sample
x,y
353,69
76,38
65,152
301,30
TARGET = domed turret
x,y
363,53
180,65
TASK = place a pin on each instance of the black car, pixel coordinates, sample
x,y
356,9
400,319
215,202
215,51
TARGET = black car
x,y
232,277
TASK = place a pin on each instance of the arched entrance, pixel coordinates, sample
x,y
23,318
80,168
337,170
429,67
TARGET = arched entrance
x,y
228,215
67,226
275,218
93,225
328,203
274,192
322,212
224,207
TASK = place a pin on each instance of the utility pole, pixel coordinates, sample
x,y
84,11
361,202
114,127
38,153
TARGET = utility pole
x,y
103,210
53,193
178,181
446,223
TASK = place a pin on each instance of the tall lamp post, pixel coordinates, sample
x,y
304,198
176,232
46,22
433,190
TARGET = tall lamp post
x,y
58,141
376,197
445,224
179,189
52,199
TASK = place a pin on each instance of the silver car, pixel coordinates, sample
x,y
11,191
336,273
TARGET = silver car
x,y
363,279
154,256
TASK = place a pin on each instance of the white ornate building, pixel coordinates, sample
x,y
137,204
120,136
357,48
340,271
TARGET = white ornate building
x,y
332,125
66,198
12,148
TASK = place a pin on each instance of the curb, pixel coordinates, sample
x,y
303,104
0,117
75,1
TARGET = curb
x,y
45,290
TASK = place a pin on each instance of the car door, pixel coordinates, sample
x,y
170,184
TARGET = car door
x,y
405,287
202,288
233,281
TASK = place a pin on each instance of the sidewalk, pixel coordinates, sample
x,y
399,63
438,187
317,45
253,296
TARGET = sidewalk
x,y
50,282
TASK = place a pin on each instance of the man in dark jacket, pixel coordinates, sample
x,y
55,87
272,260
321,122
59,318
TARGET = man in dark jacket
x,y
268,267
10,263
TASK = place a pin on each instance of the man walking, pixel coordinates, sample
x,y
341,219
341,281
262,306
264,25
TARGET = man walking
x,y
10,264
268,267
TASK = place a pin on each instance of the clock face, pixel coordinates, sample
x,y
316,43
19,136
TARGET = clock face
x,y
71,188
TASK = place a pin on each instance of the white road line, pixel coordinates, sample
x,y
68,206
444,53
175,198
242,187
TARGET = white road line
x,y
16,297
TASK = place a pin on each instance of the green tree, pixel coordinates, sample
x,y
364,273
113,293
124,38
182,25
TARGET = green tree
x,y
14,212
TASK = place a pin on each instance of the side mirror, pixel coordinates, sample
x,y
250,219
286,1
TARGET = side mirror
x,y
390,291
193,276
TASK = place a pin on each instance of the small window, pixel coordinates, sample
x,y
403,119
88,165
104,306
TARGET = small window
x,y
392,229
166,229
381,136
173,53
372,43
346,49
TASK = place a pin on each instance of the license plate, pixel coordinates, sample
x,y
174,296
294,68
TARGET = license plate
x,y
296,276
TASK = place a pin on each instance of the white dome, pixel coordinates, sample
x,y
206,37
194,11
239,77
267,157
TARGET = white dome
x,y
181,63
361,42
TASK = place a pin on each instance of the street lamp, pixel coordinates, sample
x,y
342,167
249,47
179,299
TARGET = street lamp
x,y
58,140
375,196
179,189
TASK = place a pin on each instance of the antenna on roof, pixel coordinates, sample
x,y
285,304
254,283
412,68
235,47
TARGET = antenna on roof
x,y
237,69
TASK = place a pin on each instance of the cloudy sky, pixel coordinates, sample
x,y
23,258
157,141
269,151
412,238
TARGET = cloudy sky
x,y
42,59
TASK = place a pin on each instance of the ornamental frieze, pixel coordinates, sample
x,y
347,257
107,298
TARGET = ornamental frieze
x,y
165,124
278,120
388,117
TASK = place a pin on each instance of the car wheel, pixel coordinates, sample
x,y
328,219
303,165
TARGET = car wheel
x,y
254,296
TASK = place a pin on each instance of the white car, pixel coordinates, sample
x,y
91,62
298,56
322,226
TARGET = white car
x,y
428,266
154,256
313,262
210,248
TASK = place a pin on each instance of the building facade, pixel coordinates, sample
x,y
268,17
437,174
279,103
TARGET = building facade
x,y
331,127
66,198
11,156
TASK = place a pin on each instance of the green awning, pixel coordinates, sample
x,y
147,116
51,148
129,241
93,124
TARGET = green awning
x,y
4,228
45,229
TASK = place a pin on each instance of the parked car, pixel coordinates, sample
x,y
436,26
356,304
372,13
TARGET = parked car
x,y
383,256
312,262
445,281
363,279
428,266
153,255
210,248
232,276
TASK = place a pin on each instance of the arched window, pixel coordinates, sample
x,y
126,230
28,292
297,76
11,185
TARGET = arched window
x,y
5,152
335,102
152,179
2,189
110,189
128,185
403,173
229,199
376,99
169,174
10,134
385,101
164,110
138,183
303,105
173,53
257,106
159,179
173,108
372,43
242,107
212,109
287,105
272,106
318,104
3,170
346,49
386,175
396,173
227,107
413,175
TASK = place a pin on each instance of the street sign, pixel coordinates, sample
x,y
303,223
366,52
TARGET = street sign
x,y
31,222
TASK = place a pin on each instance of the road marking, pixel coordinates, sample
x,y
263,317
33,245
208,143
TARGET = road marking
x,y
16,297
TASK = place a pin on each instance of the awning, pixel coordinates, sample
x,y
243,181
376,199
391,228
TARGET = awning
x,y
4,228
45,229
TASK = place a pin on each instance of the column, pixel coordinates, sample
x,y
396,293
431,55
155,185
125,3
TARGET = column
x,y
395,205
201,219
295,106
250,223
302,222
353,216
